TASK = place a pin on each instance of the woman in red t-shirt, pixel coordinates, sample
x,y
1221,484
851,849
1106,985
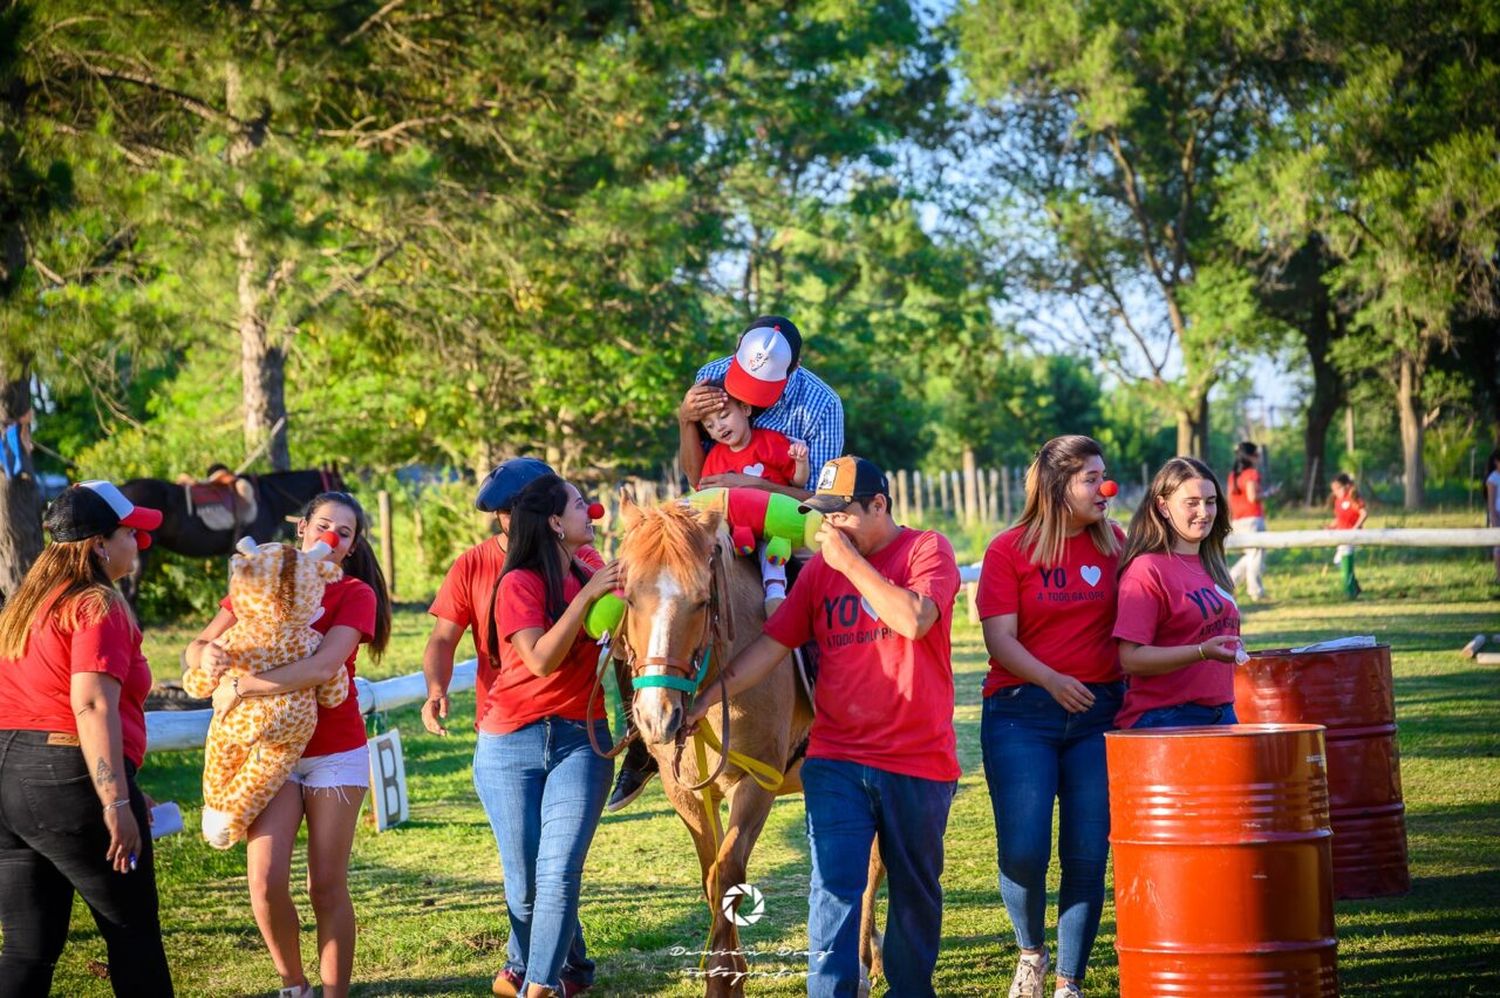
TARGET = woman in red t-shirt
x,y
534,768
1349,513
1047,603
1177,623
328,786
1247,515
73,686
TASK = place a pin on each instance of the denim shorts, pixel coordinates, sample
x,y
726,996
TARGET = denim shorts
x,y
337,769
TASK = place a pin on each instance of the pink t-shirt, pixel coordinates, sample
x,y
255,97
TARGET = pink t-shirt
x,y
1169,600
1065,613
882,700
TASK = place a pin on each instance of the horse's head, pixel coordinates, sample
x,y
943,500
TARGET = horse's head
x,y
668,553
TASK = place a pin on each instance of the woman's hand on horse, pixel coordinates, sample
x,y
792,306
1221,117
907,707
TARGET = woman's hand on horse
x,y
606,580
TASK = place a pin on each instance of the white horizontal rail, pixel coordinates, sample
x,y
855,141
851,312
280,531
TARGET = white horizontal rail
x,y
175,730
1394,537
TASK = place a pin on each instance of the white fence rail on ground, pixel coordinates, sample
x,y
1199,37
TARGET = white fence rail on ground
x,y
1396,537
175,730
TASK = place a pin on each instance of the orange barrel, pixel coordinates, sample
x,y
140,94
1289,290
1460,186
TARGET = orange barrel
x,y
1348,692
1223,874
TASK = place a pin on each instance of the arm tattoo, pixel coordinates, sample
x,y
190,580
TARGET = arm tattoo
x,y
104,774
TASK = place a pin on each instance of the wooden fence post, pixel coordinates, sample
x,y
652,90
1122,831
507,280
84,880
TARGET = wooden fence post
x,y
971,489
1005,491
918,485
387,541
904,483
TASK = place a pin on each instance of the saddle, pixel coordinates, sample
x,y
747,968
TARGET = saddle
x,y
219,506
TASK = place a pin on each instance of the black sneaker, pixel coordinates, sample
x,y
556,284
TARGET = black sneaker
x,y
636,771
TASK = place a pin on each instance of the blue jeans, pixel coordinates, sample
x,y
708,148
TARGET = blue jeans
x,y
543,789
847,806
1186,715
1034,751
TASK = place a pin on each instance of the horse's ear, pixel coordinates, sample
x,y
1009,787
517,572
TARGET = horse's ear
x,y
711,519
630,513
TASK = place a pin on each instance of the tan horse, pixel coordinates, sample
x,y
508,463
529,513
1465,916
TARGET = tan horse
x,y
674,584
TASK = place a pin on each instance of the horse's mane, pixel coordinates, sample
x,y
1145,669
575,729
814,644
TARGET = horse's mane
x,y
669,536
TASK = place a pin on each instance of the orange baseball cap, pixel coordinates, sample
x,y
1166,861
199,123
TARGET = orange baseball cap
x,y
843,480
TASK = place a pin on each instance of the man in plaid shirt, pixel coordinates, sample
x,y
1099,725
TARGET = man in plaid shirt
x,y
807,409
767,361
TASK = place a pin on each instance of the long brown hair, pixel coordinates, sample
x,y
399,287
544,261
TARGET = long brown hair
x,y
361,563
1045,515
86,596
1151,532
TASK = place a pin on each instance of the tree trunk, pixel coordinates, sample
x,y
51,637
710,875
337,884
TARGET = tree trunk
x,y
1409,407
1192,428
20,496
262,358
1319,330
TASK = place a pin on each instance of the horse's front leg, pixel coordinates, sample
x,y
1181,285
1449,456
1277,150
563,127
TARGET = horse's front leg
x,y
749,806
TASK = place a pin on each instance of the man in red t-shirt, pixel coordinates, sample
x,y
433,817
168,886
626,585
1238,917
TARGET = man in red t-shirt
x,y
878,600
466,602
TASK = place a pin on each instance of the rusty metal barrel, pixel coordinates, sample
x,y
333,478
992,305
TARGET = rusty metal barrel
x,y
1350,693
1223,872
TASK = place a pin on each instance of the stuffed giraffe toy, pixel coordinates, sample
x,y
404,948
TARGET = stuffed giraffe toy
x,y
277,592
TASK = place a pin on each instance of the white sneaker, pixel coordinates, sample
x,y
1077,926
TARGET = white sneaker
x,y
1031,974
1069,990
303,990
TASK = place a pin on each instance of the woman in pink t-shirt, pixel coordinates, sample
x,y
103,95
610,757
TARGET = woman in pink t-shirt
x,y
1177,623
1047,601
328,786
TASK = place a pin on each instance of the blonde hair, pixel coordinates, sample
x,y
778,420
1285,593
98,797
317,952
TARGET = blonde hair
x,y
86,596
1151,532
1045,516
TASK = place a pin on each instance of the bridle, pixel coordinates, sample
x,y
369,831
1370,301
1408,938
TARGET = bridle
x,y
673,672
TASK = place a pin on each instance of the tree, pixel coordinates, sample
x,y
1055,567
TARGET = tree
x,y
1392,160
1111,124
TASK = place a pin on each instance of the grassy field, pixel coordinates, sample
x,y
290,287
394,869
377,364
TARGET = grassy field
x,y
430,900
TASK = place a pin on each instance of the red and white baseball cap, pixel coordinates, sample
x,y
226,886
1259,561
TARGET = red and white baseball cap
x,y
96,508
760,367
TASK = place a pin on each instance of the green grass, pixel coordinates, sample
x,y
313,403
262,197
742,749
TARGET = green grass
x,y
430,900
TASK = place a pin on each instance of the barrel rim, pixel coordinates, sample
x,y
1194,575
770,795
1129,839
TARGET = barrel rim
x,y
1289,653
1217,730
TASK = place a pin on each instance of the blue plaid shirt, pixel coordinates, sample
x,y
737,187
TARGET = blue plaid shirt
x,y
808,410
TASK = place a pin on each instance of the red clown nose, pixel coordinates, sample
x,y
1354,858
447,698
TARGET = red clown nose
x,y
596,511
1109,489
330,538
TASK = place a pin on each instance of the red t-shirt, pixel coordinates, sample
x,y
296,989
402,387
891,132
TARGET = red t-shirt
x,y
35,689
1170,601
765,456
517,696
1240,505
351,603
1346,513
1065,614
464,599
882,700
